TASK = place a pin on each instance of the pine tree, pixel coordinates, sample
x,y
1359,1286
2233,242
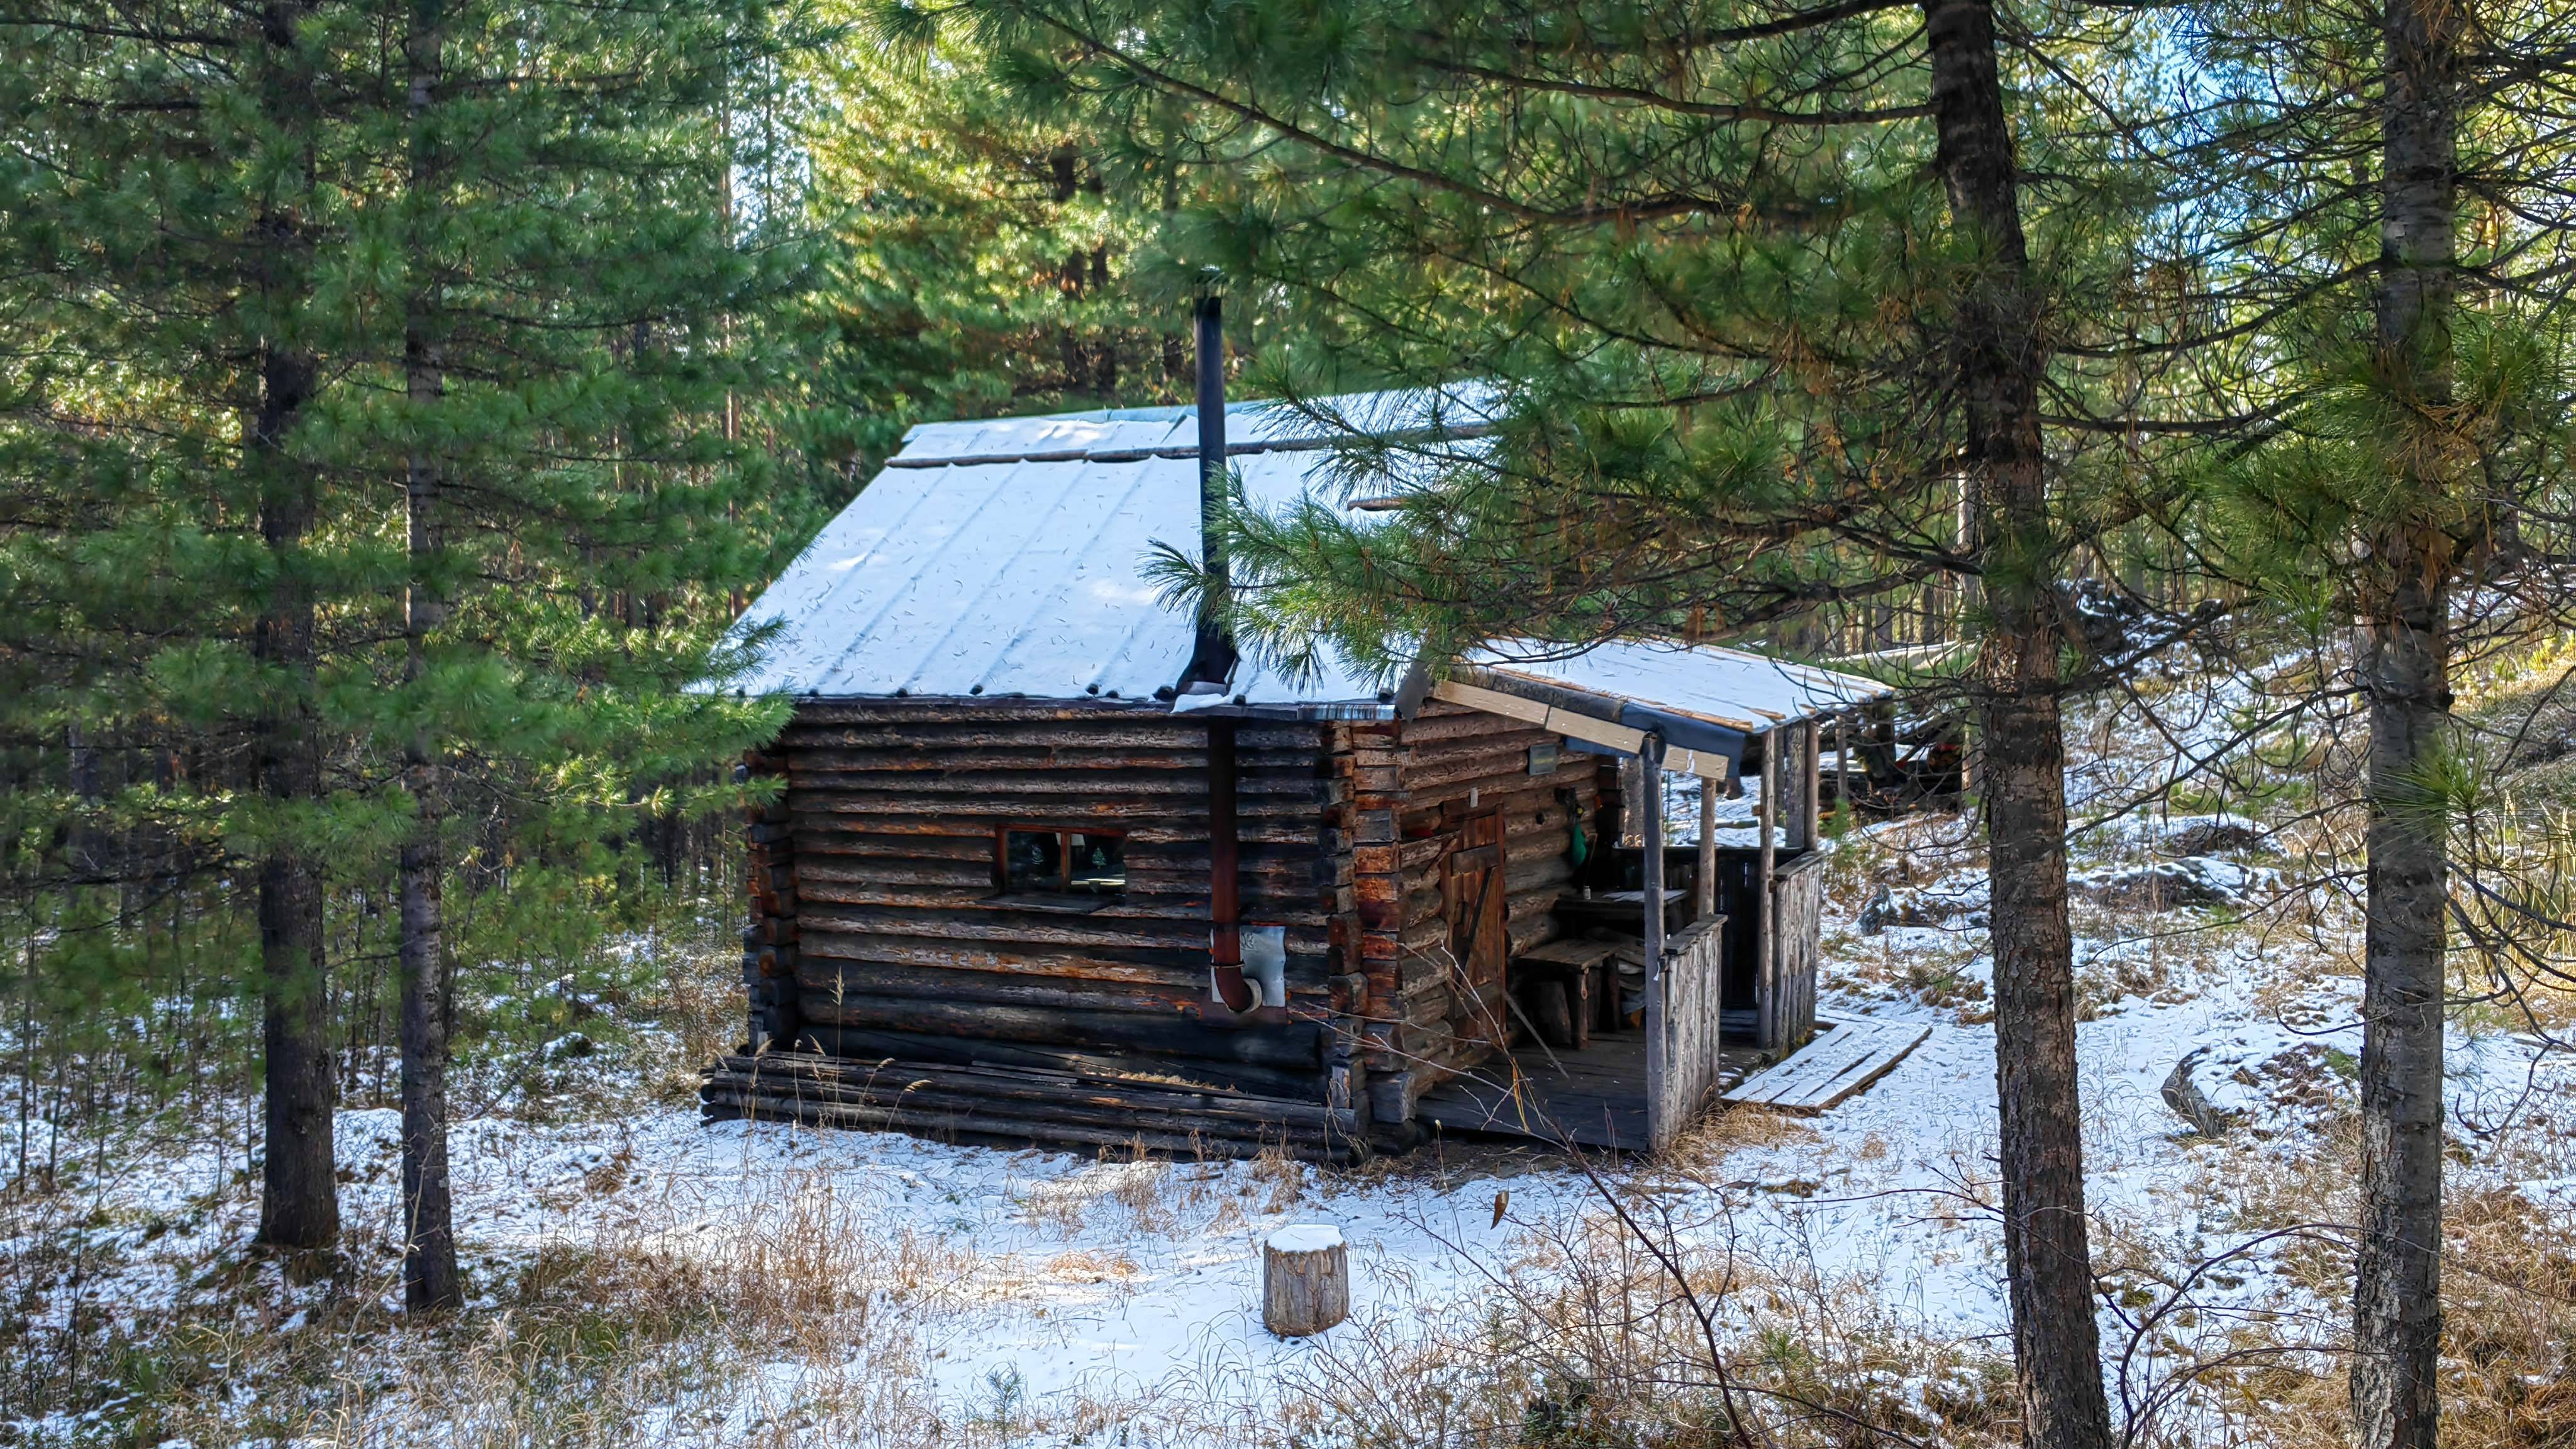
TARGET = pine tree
x,y
430,1279
172,240
578,332
1783,321
986,252
2404,476
411,478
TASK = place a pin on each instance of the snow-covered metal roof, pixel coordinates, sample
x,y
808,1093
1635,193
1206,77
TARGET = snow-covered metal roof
x,y
1701,701
1119,435
1009,559
1730,688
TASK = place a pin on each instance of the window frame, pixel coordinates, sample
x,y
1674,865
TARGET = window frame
x,y
1062,894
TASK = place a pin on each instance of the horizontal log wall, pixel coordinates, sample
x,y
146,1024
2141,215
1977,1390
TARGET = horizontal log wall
x,y
1411,788
769,941
905,948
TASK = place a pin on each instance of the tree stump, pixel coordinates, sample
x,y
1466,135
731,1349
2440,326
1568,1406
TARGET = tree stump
x,y
1305,1280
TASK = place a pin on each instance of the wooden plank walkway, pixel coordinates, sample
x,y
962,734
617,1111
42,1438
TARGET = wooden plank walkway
x,y
1829,1070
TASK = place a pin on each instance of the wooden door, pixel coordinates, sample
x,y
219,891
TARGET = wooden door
x,y
1479,910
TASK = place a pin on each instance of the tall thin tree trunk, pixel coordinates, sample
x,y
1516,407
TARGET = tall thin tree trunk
x,y
2047,1256
2404,670
299,1195
429,1240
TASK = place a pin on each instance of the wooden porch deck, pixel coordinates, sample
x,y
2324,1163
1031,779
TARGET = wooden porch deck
x,y
1595,1096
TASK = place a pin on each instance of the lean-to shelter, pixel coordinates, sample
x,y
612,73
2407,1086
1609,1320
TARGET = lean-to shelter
x,y
1050,864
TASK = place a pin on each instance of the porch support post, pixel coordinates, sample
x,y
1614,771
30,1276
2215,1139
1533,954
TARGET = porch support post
x,y
1707,894
1842,770
1811,783
1798,784
1767,948
1650,759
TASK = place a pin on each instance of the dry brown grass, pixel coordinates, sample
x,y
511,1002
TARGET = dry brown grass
x,y
762,1326
1698,1152
700,1013
1607,1330
1283,1179
2509,1343
2269,1369
1139,1187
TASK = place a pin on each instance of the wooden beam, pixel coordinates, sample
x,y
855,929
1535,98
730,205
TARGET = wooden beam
x,y
1702,763
1811,787
1591,729
1491,701
1766,948
1706,904
1658,1051
1797,755
1842,767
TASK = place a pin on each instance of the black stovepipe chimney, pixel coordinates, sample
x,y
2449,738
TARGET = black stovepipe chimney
x,y
1212,661
1212,664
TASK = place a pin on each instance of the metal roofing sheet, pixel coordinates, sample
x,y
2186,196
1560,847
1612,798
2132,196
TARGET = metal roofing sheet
x,y
1010,558
987,579
1732,688
1250,427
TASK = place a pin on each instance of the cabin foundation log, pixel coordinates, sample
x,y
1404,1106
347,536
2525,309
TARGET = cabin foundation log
x,y
1000,1103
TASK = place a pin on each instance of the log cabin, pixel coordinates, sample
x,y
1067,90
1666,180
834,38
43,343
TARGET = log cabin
x,y
1050,862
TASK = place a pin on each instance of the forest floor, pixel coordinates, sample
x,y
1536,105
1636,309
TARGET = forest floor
x,y
644,1278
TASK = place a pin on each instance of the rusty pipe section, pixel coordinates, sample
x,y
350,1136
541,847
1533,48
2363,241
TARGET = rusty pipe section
x,y
1225,901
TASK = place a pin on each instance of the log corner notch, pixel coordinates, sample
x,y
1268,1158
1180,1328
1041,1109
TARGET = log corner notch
x,y
769,942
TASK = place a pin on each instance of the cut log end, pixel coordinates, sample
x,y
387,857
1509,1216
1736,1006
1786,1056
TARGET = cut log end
x,y
1305,1280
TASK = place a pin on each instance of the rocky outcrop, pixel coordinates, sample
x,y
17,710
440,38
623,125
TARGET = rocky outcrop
x,y
2186,835
2171,885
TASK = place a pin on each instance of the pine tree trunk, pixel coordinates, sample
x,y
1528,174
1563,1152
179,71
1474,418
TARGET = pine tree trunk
x,y
429,1242
2404,671
299,1197
2047,1256
2397,1312
429,1245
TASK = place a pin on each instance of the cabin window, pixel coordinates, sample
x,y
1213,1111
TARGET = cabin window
x,y
1090,864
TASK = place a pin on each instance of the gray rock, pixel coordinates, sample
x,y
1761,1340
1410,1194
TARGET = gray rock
x,y
1945,903
1875,912
2170,885
2190,1103
2208,834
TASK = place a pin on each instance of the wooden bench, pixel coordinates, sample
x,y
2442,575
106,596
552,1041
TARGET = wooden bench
x,y
1563,986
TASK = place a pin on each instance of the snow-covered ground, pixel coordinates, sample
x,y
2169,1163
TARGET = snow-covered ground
x,y
1027,1296
1040,1286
